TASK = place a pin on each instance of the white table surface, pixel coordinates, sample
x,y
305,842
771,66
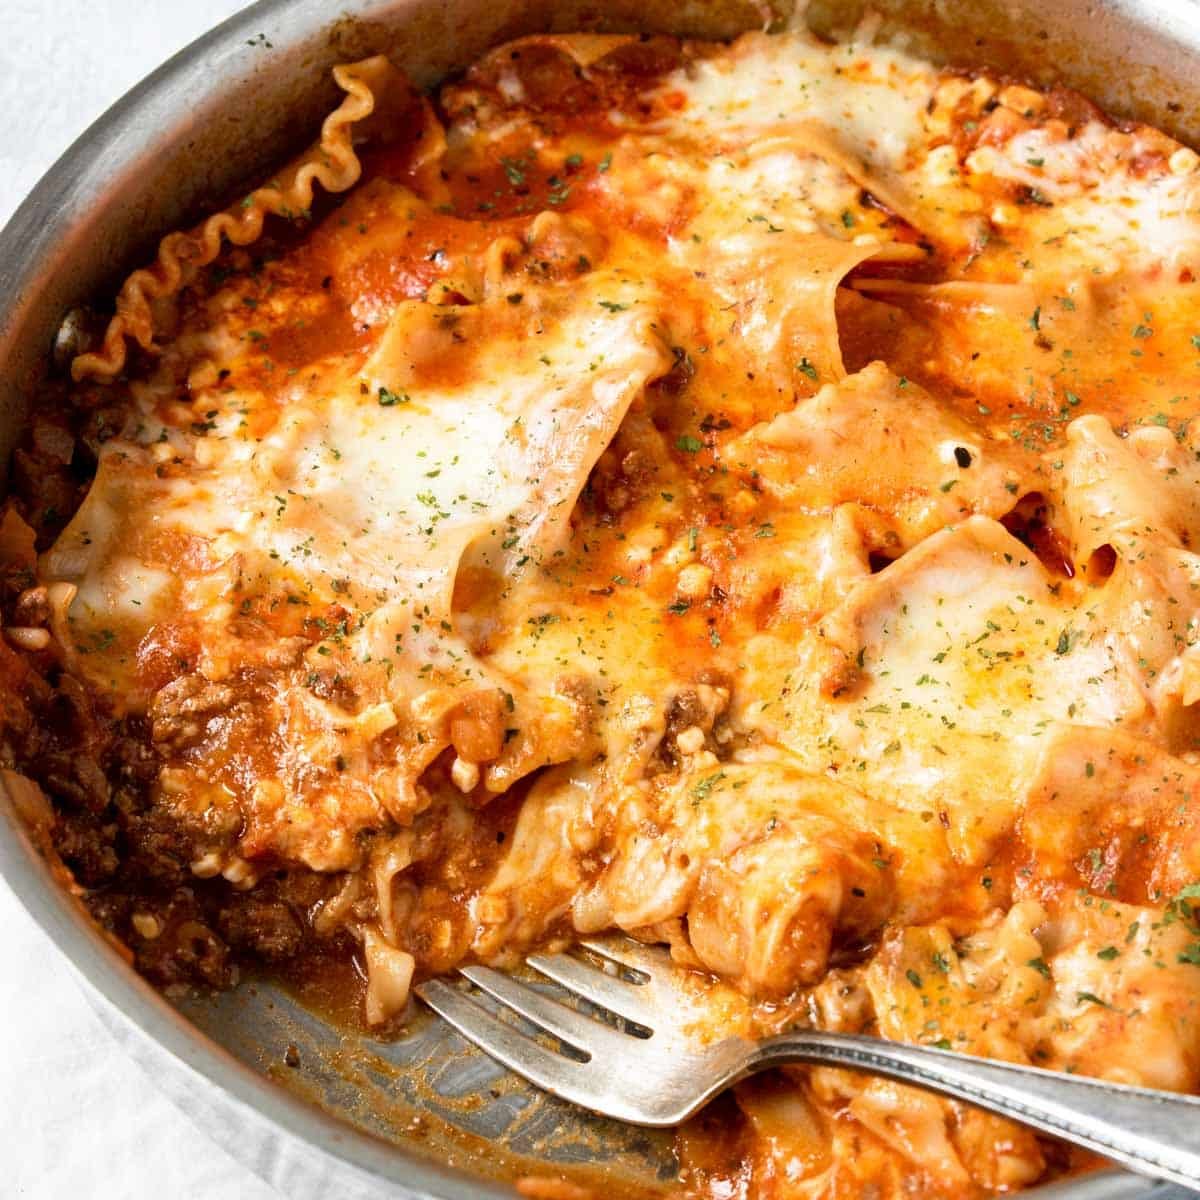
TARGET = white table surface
x,y
77,1120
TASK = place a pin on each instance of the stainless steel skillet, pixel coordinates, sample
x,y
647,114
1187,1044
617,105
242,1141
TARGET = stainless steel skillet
x,y
356,1116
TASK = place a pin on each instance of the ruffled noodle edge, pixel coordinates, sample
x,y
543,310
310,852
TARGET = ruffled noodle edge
x,y
332,162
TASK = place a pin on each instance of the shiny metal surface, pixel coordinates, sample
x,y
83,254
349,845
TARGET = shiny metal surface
x,y
644,1067
425,1115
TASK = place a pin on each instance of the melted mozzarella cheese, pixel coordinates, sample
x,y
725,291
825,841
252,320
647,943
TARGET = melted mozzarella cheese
x,y
858,106
1100,208
375,490
930,685
832,449
369,498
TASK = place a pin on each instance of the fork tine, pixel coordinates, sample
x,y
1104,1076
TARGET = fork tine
x,y
572,1027
606,991
650,960
527,1058
597,1084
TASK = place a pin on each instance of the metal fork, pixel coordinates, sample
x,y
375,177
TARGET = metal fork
x,y
644,1068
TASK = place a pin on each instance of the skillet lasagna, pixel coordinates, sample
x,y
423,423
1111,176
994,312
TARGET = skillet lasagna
x,y
739,495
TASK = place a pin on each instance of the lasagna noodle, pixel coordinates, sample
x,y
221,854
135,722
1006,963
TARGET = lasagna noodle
x,y
373,87
382,534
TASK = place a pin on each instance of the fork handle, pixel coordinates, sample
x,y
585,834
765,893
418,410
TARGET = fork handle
x,y
1152,1132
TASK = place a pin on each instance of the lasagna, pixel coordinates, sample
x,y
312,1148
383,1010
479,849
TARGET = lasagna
x,y
738,495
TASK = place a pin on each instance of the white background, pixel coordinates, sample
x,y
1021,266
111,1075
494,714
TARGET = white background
x,y
77,1120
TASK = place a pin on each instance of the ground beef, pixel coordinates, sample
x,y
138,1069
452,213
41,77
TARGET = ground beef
x,y
188,952
132,855
181,711
158,848
76,779
267,928
172,938
622,476
87,848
